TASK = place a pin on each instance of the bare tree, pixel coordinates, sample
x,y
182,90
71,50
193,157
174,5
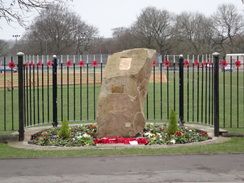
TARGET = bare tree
x,y
227,24
4,48
194,33
154,29
59,31
15,10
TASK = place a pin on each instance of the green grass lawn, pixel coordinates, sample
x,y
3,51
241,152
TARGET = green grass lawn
x,y
235,145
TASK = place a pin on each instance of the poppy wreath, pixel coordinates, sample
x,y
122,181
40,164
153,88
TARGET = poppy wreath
x,y
115,140
49,63
210,63
11,65
26,64
94,63
154,63
196,63
186,63
81,63
204,63
238,63
166,63
31,64
39,64
224,63
68,63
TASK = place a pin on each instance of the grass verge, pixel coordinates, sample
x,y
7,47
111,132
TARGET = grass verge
x,y
235,145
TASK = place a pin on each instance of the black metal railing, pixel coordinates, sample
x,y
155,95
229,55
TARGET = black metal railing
x,y
188,88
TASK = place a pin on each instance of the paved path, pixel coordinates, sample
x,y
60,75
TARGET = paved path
x,y
141,169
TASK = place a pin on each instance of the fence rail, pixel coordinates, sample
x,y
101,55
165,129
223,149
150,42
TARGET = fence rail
x,y
79,81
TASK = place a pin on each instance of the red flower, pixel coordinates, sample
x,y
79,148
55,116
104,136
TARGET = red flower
x,y
186,63
238,63
204,63
26,64
82,63
196,63
154,63
166,63
11,65
39,64
210,63
94,63
68,63
224,63
49,63
31,64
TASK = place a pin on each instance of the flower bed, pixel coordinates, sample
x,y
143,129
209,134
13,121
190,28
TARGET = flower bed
x,y
85,135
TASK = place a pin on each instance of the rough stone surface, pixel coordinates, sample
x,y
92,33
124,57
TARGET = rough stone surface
x,y
122,95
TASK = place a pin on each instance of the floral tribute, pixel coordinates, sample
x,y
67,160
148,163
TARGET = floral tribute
x,y
196,63
238,63
49,63
204,63
166,63
85,135
39,64
81,63
94,63
186,63
224,63
154,63
68,63
11,65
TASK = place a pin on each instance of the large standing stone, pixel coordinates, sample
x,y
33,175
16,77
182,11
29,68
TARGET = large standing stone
x,y
123,91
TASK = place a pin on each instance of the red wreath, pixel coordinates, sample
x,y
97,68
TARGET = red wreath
x,y
26,64
11,65
81,63
204,63
196,63
68,63
39,64
94,63
49,63
238,63
224,63
210,63
186,63
115,140
31,64
166,63
154,63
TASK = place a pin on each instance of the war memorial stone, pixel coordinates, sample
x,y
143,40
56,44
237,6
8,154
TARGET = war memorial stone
x,y
123,91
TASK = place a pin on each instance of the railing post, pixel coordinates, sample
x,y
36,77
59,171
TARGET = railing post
x,y
181,88
55,91
216,94
21,96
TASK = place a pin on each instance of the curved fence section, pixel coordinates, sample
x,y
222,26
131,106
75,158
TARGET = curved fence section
x,y
79,79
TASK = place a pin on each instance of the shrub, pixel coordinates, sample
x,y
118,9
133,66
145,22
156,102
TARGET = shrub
x,y
64,130
173,126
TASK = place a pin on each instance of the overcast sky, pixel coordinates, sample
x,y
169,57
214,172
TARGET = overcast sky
x,y
109,14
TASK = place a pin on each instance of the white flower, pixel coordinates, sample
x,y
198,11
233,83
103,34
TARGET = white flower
x,y
78,137
148,134
173,141
158,134
86,135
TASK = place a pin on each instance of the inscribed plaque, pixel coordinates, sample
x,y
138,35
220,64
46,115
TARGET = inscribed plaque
x,y
125,63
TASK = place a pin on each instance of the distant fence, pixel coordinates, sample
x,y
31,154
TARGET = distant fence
x,y
187,88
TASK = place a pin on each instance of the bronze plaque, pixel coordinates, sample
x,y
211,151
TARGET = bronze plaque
x,y
117,88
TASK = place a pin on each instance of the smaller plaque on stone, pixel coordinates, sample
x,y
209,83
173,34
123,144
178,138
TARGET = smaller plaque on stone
x,y
117,88
125,63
